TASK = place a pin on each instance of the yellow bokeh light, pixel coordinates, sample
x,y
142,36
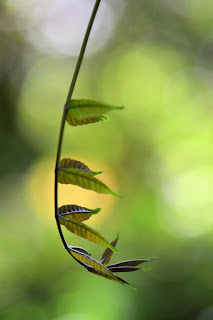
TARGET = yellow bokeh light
x,y
187,210
40,191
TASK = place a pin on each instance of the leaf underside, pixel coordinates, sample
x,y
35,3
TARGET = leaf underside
x,y
76,213
85,232
131,263
123,269
75,164
85,111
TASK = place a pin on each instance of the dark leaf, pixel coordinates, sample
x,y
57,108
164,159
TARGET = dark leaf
x,y
123,269
131,263
76,213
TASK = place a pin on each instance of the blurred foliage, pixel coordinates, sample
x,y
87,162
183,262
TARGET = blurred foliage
x,y
158,63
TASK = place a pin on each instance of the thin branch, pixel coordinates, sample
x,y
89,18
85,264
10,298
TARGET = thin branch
x,y
65,110
83,48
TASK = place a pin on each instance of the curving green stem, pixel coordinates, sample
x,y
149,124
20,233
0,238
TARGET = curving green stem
x,y
65,110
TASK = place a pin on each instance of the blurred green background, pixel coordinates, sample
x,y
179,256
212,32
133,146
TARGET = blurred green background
x,y
156,58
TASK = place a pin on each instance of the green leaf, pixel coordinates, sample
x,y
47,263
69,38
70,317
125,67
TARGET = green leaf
x,y
75,122
131,263
85,111
105,259
75,164
76,213
93,265
85,232
83,179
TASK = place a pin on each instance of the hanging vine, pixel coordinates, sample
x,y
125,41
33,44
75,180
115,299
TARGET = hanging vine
x,y
69,171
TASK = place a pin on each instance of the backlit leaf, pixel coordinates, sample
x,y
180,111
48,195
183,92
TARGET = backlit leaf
x,y
76,213
86,232
93,265
83,179
85,111
75,164
105,259
75,122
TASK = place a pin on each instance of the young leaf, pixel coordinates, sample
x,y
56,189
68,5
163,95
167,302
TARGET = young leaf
x,y
86,232
76,213
105,259
75,122
87,111
83,179
131,263
93,265
75,164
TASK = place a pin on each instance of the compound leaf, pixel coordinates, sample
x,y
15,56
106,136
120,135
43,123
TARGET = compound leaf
x,y
85,111
76,213
85,232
